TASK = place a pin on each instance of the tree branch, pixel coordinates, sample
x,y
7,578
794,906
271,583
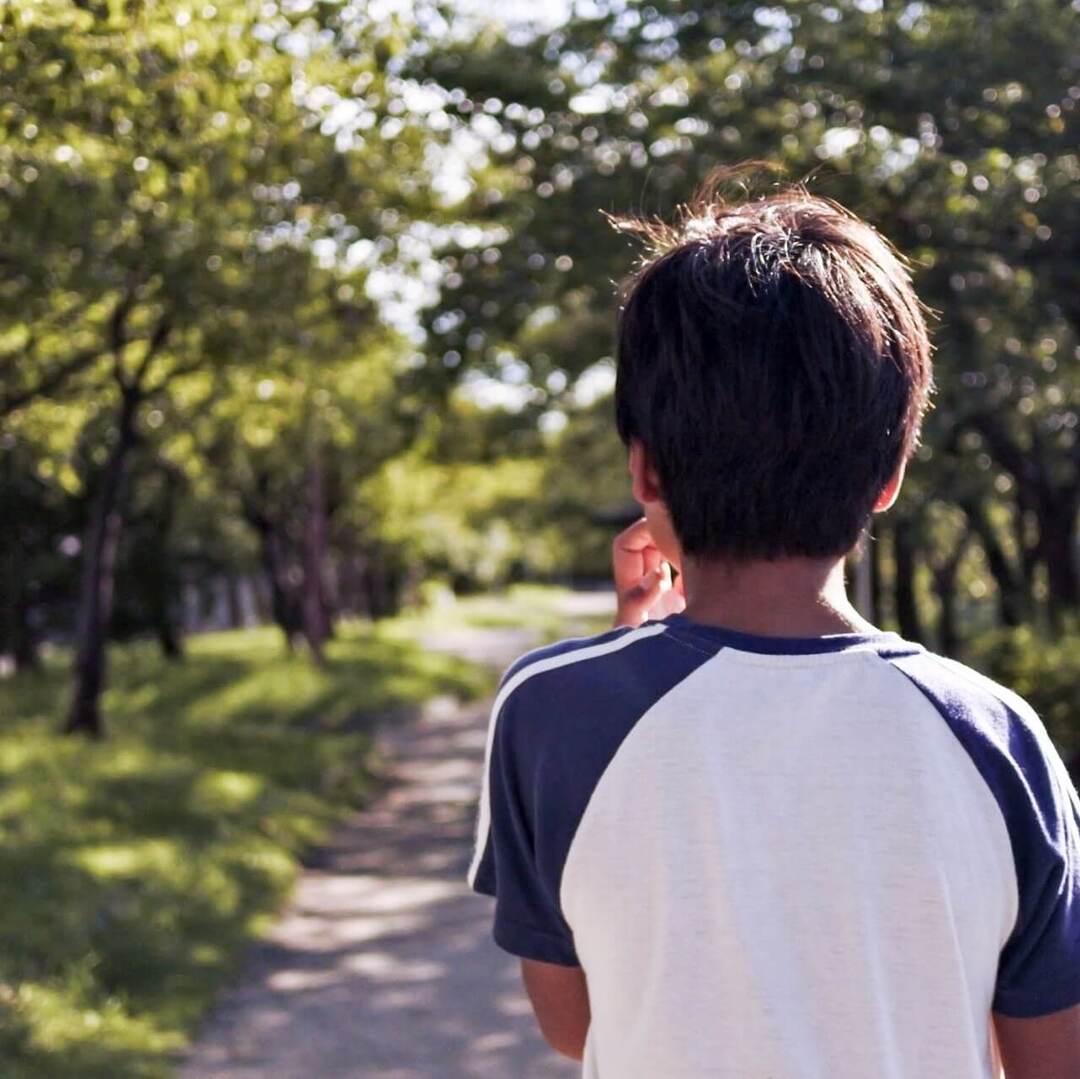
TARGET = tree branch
x,y
157,341
50,382
118,335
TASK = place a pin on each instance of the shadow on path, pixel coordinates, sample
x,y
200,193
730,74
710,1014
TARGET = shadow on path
x,y
383,964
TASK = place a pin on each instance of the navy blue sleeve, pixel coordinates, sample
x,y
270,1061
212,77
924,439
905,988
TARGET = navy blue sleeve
x,y
1039,966
528,919
558,721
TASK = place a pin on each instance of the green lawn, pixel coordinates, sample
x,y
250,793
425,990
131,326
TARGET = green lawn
x,y
134,870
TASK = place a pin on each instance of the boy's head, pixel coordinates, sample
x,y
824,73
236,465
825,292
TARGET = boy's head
x,y
773,369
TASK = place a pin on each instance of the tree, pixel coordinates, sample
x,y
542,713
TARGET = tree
x,y
951,127
170,182
289,444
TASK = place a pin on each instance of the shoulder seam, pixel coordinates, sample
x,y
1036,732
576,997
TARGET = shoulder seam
x,y
562,659
542,664
1000,693
578,644
677,638
989,687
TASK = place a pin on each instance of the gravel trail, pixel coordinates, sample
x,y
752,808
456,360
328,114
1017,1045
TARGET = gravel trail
x,y
382,964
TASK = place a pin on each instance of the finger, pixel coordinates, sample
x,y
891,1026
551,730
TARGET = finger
x,y
652,560
630,566
635,602
633,555
647,591
635,537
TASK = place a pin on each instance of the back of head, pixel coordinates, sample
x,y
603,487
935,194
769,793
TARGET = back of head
x,y
773,359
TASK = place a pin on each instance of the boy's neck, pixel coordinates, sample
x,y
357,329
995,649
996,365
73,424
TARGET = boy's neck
x,y
789,597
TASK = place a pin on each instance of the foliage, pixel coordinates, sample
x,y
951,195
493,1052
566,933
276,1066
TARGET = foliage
x,y
472,523
135,870
586,490
951,127
158,218
193,202
206,216
1046,673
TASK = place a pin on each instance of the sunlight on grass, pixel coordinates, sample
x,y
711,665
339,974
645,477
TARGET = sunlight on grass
x,y
133,871
116,860
225,791
540,608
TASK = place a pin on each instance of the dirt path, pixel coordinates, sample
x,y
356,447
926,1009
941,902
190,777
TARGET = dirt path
x,y
382,965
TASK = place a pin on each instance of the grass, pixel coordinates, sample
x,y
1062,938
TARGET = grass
x,y
540,608
133,871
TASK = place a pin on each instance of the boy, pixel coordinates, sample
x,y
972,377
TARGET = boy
x,y
747,833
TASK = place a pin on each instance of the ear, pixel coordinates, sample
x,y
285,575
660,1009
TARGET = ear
x,y
889,492
645,482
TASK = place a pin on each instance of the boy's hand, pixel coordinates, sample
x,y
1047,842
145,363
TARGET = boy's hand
x,y
643,585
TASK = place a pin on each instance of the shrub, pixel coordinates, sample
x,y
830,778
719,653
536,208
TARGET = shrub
x,y
1044,671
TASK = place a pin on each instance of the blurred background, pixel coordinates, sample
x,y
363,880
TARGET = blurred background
x,y
306,316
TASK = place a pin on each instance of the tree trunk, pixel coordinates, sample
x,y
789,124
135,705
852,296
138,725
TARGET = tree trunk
x,y
1054,504
232,593
945,587
24,645
98,572
166,584
17,637
16,633
315,619
351,595
169,639
1057,548
1029,553
283,606
331,583
1013,595
948,638
907,608
382,585
21,635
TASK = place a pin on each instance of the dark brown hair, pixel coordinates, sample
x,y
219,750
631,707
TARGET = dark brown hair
x,y
774,360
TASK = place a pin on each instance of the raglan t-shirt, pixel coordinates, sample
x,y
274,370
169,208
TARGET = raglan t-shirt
x,y
780,858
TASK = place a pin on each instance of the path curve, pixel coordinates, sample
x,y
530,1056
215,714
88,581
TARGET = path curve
x,y
382,964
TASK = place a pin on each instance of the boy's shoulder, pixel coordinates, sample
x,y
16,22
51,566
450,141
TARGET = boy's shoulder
x,y
611,677
969,699
635,653
619,674
1005,739
569,651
